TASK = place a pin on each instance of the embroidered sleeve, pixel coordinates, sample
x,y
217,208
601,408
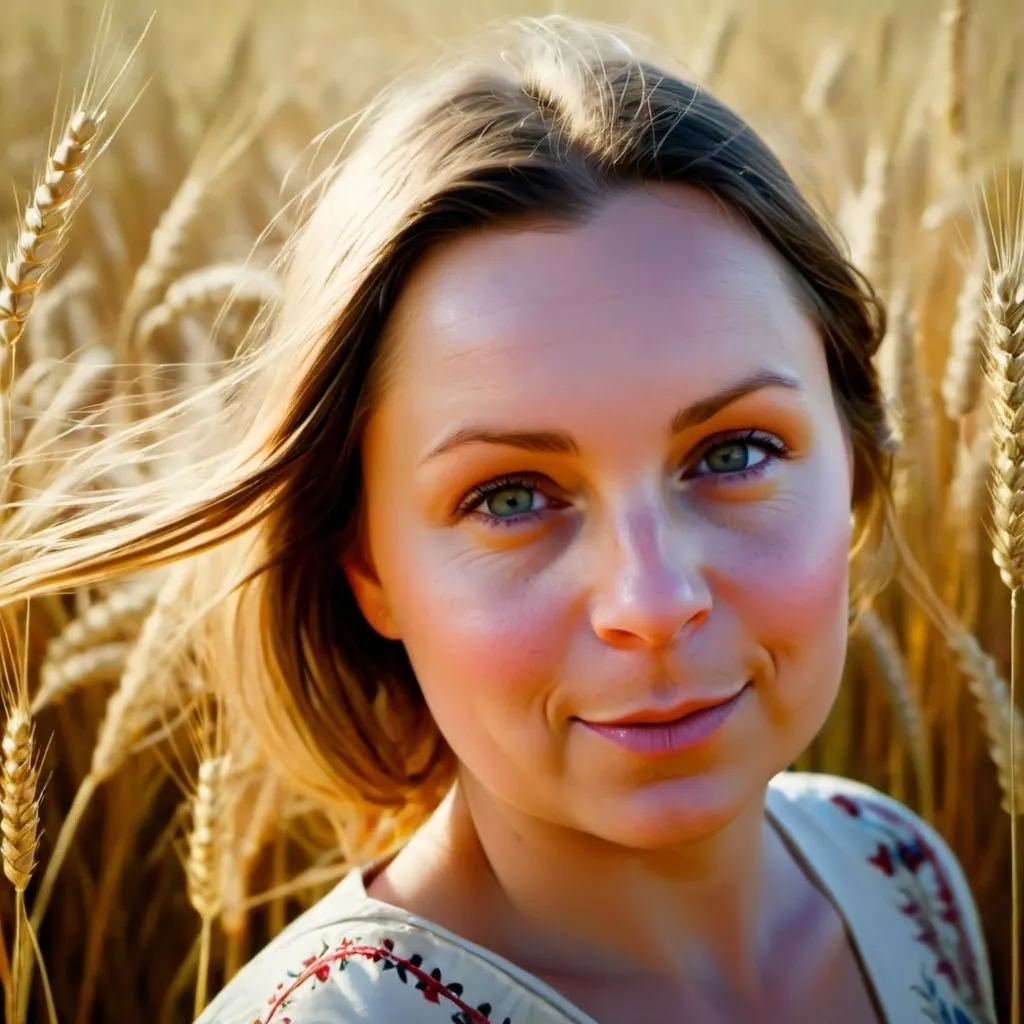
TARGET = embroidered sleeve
x,y
932,892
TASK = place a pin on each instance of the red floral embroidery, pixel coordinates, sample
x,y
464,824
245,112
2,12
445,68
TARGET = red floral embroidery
x,y
843,801
882,860
430,984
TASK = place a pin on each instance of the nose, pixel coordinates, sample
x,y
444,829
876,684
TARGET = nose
x,y
652,587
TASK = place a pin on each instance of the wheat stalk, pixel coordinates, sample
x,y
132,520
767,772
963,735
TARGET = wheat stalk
x,y
44,223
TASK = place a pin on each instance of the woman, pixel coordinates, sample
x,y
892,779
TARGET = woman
x,y
568,437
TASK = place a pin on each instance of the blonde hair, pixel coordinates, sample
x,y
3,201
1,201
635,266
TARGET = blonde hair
x,y
549,121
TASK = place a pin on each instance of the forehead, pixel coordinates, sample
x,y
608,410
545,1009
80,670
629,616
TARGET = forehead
x,y
658,288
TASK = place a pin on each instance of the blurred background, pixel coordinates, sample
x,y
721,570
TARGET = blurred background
x,y
901,118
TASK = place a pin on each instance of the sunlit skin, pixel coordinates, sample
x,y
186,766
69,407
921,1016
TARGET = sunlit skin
x,y
619,567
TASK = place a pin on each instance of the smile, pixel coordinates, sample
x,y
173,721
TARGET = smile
x,y
646,735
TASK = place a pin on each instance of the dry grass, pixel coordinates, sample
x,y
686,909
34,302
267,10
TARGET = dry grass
x,y
160,254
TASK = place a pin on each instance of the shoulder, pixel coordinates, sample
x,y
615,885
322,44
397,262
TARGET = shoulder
x,y
872,826
889,846
870,820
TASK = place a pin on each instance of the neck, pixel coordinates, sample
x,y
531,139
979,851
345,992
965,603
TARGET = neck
x,y
561,902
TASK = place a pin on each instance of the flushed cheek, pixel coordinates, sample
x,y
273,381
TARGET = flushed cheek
x,y
486,649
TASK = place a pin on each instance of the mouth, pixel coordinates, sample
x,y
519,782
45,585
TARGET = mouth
x,y
658,732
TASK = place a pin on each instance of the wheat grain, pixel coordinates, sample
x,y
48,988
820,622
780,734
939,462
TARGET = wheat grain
x,y
20,811
44,223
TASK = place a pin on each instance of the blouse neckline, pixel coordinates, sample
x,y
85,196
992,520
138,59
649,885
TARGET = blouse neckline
x,y
852,892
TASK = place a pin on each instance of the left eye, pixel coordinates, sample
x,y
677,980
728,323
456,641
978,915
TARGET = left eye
x,y
732,457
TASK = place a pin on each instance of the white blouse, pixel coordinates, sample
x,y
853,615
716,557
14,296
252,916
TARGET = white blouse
x,y
352,959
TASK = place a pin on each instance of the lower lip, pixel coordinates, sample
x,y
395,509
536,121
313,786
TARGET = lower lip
x,y
661,738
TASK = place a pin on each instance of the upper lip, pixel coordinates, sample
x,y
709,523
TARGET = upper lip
x,y
654,716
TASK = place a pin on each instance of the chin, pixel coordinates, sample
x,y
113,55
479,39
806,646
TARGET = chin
x,y
673,812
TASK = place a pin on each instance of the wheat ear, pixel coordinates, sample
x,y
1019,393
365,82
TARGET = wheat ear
x,y
20,811
909,713
828,79
92,647
1005,364
218,285
902,379
44,223
204,865
19,824
1000,719
961,384
129,712
113,617
102,663
954,20
876,210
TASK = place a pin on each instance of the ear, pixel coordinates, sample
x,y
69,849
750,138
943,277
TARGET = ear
x,y
368,591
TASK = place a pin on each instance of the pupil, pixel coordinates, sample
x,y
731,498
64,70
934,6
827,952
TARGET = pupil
x,y
728,458
514,499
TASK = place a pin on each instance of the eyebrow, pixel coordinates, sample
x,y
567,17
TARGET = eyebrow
x,y
558,442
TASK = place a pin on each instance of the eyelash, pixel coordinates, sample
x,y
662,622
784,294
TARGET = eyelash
x,y
773,448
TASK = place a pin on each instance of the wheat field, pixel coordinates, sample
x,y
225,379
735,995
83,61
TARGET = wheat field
x,y
153,179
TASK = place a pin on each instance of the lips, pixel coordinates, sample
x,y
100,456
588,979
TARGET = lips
x,y
657,716
657,732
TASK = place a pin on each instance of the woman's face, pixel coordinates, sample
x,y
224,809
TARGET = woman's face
x,y
610,481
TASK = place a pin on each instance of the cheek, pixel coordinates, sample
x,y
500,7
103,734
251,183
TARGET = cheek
x,y
797,579
485,644
790,588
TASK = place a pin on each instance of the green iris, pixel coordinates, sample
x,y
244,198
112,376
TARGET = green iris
x,y
729,458
510,501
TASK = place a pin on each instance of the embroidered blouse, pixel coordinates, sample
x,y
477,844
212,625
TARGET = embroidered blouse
x,y
352,959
